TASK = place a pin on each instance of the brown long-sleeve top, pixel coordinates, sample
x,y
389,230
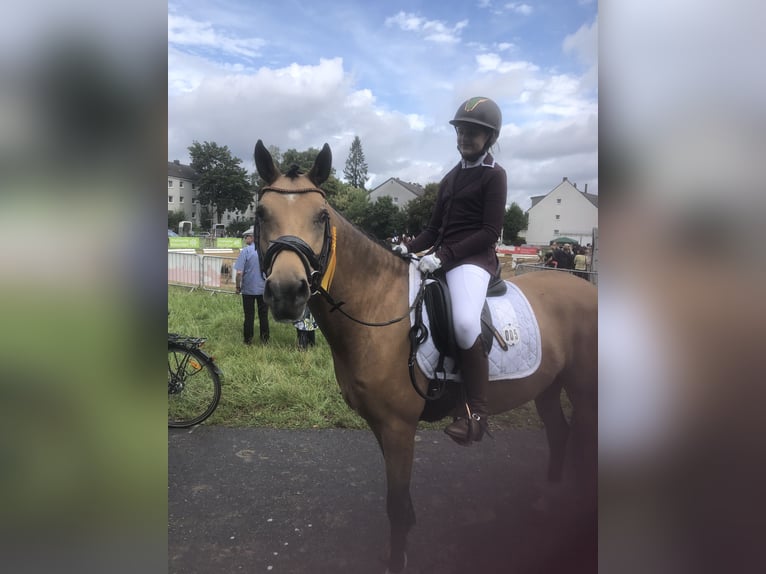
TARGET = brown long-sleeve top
x,y
468,217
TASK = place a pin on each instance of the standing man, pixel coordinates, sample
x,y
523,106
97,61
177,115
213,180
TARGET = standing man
x,y
250,283
568,256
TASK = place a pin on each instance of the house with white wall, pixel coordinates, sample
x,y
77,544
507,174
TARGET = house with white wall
x,y
400,192
183,192
565,211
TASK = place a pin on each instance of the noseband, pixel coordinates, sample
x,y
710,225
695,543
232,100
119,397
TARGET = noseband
x,y
319,266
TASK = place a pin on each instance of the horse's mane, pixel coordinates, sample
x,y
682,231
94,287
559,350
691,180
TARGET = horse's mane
x,y
380,244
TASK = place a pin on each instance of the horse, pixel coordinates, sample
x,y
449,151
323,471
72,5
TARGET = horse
x,y
358,292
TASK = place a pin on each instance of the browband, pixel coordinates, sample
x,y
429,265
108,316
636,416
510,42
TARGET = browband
x,y
296,190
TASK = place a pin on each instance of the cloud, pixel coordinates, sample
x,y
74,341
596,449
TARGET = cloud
x,y
583,43
302,106
431,30
190,33
546,140
519,8
494,63
295,99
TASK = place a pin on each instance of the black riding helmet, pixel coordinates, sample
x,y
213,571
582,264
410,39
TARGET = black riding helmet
x,y
483,112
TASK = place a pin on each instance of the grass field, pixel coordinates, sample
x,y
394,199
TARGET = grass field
x,y
276,385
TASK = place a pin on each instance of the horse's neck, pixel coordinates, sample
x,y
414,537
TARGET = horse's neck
x,y
371,283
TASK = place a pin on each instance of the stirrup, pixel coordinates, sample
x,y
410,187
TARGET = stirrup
x,y
482,422
470,429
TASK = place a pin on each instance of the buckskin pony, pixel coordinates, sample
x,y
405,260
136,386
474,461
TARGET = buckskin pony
x,y
358,292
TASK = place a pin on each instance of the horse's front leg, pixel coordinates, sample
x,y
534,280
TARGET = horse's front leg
x,y
397,441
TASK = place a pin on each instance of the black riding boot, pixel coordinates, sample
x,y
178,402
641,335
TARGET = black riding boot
x,y
474,370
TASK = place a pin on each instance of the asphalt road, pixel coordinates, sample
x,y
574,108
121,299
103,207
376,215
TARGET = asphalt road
x,y
313,501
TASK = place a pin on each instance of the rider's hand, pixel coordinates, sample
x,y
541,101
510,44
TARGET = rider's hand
x,y
429,263
400,249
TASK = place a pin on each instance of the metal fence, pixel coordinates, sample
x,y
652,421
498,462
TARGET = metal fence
x,y
522,268
216,272
203,271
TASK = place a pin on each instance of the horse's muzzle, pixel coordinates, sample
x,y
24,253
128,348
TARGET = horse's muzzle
x,y
287,298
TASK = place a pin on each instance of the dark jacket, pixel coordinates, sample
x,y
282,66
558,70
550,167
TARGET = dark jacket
x,y
467,217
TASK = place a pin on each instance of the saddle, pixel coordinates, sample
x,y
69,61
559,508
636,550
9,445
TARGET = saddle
x,y
438,304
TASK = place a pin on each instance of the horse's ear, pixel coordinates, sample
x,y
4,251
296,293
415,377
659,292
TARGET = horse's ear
x,y
265,164
320,171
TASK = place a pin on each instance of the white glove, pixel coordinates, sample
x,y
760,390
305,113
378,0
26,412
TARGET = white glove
x,y
429,263
400,249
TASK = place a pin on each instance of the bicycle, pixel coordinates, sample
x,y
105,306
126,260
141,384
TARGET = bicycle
x,y
194,382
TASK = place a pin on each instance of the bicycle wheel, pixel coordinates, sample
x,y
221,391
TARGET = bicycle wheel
x,y
194,386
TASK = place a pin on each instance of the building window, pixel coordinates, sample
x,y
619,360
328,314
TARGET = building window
x,y
558,200
557,217
181,199
170,199
194,215
170,183
556,232
180,184
194,186
396,200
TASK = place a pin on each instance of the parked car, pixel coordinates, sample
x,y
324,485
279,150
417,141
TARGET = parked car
x,y
203,234
172,233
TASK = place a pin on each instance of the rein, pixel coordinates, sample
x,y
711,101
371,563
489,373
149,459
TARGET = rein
x,y
337,306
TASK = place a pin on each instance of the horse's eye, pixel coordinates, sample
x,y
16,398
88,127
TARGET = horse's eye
x,y
321,217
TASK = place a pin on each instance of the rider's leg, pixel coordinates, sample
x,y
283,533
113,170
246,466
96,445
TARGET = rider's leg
x,y
468,288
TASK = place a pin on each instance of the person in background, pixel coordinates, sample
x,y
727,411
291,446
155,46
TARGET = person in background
x,y
306,329
461,237
567,257
250,283
580,263
559,257
549,260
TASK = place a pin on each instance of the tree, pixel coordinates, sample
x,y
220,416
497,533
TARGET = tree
x,y
351,202
205,218
334,188
236,228
305,161
356,168
223,184
383,218
174,218
514,221
419,210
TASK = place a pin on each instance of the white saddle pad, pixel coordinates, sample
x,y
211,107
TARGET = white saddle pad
x,y
513,318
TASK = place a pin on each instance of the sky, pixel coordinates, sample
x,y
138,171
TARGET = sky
x,y
301,74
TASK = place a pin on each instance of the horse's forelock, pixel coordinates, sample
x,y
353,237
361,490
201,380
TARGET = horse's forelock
x,y
294,172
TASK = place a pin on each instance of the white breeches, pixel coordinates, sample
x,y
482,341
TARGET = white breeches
x,y
468,291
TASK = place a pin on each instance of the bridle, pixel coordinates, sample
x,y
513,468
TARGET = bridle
x,y
320,267
315,264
